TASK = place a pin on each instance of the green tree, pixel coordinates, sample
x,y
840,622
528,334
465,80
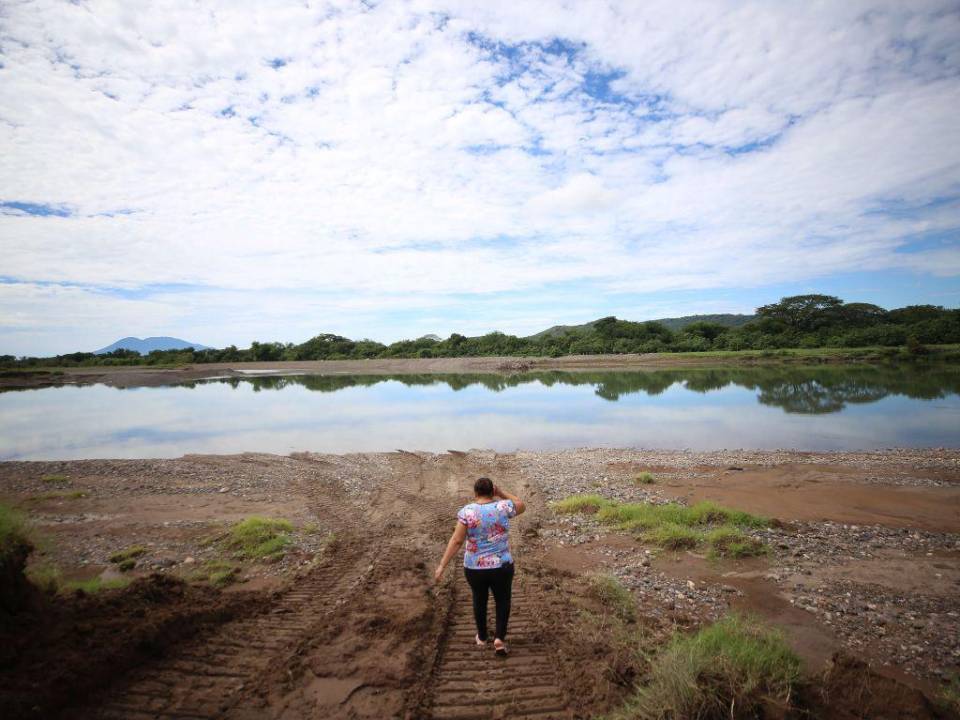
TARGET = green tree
x,y
803,312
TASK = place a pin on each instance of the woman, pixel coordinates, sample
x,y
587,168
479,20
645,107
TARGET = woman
x,y
485,524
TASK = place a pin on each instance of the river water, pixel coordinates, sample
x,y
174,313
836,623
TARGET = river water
x,y
816,408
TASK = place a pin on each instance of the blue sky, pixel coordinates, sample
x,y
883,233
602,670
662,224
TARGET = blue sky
x,y
231,172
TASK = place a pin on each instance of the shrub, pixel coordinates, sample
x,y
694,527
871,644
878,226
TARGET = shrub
x,y
259,538
644,478
726,670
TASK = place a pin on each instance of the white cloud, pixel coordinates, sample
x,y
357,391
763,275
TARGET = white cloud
x,y
374,152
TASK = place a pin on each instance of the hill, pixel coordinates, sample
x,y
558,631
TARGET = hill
x,y
148,345
678,323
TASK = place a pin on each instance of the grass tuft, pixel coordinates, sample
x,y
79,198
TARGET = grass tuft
x,y
729,542
614,596
675,526
45,576
645,478
134,551
582,504
259,538
950,695
15,535
55,478
61,495
95,585
728,669
674,537
220,573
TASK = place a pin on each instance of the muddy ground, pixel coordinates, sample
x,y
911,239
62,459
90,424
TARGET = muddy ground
x,y
864,566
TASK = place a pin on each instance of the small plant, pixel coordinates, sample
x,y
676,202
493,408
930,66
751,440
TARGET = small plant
x,y
95,585
220,573
673,537
61,495
55,479
614,596
126,565
582,504
645,478
45,577
134,551
15,535
259,538
950,695
734,664
729,542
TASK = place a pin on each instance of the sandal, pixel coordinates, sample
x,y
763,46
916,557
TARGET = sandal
x,y
480,643
500,649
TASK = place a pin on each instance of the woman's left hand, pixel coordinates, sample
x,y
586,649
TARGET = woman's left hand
x,y
438,573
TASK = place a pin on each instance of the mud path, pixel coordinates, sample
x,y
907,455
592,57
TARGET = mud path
x,y
471,682
203,679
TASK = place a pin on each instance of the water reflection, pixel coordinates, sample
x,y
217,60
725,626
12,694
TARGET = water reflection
x,y
808,391
702,409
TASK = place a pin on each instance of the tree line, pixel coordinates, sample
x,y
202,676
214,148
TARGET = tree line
x,y
799,321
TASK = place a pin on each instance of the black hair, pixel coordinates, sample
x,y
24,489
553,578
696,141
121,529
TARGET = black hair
x,y
483,487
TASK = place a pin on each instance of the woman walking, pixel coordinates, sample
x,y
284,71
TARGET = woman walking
x,y
484,525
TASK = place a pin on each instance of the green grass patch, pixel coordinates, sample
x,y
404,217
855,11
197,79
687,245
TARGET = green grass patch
x,y
729,542
950,695
582,504
134,551
725,670
220,573
613,596
45,576
15,532
675,526
55,479
95,585
259,538
645,478
674,537
61,495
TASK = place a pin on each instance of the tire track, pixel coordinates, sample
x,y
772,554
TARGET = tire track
x,y
470,682
202,679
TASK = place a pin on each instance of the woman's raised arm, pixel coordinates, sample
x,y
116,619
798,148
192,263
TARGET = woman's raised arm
x,y
519,504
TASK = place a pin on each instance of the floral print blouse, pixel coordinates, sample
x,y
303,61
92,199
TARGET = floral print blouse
x,y
487,525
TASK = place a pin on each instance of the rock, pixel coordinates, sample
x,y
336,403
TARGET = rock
x,y
189,560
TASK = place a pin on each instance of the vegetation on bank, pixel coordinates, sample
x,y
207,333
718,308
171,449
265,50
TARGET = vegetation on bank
x,y
801,322
730,669
674,526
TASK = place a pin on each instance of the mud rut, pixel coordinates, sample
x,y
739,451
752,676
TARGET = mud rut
x,y
205,678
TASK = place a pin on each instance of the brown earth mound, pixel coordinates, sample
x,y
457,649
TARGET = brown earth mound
x,y
849,690
53,654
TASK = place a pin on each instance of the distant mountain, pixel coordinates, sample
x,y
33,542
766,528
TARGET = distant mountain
x,y
148,345
678,323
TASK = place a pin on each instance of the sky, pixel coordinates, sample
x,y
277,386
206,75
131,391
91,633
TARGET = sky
x,y
233,171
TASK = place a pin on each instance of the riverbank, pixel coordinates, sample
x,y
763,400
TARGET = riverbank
x,y
863,558
152,375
